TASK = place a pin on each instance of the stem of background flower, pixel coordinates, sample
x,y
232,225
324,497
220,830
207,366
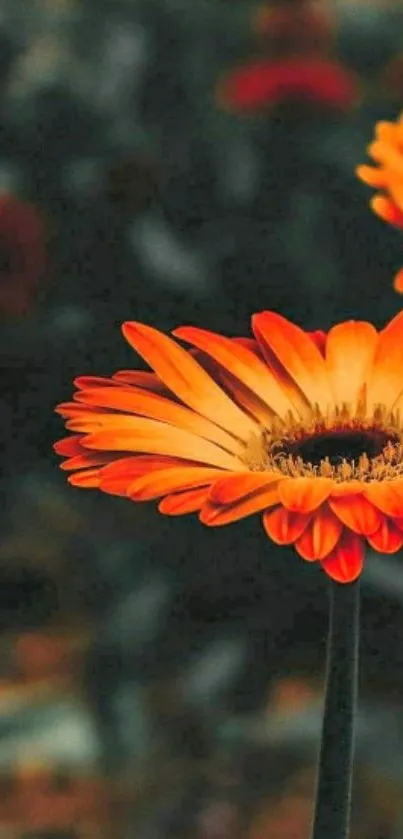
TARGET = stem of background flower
x,y
333,794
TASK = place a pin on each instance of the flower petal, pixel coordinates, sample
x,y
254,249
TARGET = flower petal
x,y
74,409
69,446
357,513
140,378
348,488
319,338
214,515
372,176
284,527
345,563
244,397
153,437
186,378
386,382
183,502
303,495
243,364
387,210
82,382
387,539
387,497
134,400
87,478
250,344
320,536
82,461
117,476
350,350
297,353
231,488
164,481
388,155
398,281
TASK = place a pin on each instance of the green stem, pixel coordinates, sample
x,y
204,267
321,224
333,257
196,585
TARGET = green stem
x,y
333,795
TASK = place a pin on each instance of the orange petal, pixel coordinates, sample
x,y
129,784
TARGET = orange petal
x,y
395,189
87,419
346,488
93,381
321,535
69,446
214,515
87,479
231,488
387,539
135,465
398,282
249,343
388,132
183,502
388,156
186,378
242,364
372,176
117,476
297,353
244,397
284,527
357,513
387,497
398,521
345,563
74,409
82,461
153,437
386,382
350,350
303,495
387,210
319,339
152,405
140,378
164,481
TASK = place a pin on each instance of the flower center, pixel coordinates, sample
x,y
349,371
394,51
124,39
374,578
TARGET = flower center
x,y
345,445
341,447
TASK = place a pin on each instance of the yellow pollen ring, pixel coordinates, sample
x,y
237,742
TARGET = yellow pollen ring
x,y
276,448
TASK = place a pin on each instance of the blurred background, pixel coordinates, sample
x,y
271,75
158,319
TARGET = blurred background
x,y
176,162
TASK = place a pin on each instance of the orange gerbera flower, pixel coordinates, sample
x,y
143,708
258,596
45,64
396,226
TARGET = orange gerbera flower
x,y
305,428
387,176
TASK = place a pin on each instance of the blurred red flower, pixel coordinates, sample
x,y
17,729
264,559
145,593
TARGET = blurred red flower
x,y
264,84
22,255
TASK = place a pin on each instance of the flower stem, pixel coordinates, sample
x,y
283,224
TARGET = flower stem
x,y
333,794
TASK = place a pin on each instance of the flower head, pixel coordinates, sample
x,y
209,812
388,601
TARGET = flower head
x,y
387,177
267,83
304,428
22,255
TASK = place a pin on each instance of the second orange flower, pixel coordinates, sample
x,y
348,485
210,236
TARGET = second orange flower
x,y
387,177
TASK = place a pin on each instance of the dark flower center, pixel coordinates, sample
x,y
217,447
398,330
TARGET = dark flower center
x,y
340,446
